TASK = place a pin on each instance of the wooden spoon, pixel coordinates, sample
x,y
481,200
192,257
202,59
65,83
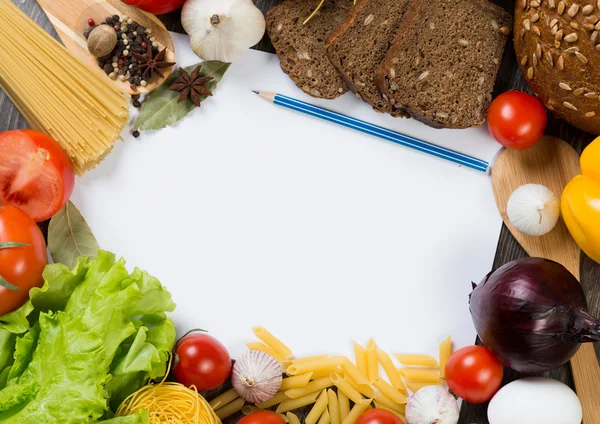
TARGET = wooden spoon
x,y
553,163
70,18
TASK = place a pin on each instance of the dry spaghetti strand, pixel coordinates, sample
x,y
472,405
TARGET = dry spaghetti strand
x,y
56,93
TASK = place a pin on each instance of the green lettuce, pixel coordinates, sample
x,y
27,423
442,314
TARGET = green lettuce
x,y
84,341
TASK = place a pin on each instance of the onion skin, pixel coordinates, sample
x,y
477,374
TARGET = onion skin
x,y
532,315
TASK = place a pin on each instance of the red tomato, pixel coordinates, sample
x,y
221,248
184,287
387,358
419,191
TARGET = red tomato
x,y
262,417
156,6
517,120
474,374
379,416
20,266
36,174
203,362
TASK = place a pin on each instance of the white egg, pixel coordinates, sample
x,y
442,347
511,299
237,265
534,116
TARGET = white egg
x,y
535,400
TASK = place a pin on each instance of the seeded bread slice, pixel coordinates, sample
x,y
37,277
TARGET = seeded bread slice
x,y
358,45
442,69
301,48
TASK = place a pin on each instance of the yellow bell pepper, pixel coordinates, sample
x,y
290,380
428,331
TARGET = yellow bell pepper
x,y
580,203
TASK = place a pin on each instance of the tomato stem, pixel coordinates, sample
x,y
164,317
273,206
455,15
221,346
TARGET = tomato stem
x,y
11,244
6,284
193,330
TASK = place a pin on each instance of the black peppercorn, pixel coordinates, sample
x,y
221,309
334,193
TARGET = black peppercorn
x,y
135,97
133,25
116,19
136,133
109,21
137,80
86,32
136,103
108,68
141,29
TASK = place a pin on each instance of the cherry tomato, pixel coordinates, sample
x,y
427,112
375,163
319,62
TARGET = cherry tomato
x,y
517,120
203,362
36,174
379,416
156,6
474,374
262,417
20,266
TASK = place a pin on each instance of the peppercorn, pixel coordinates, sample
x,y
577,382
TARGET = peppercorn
x,y
136,104
91,22
137,80
109,21
133,87
116,18
117,28
136,133
134,25
141,29
86,32
108,68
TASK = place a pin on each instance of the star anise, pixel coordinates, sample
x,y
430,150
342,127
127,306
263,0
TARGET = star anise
x,y
191,86
150,65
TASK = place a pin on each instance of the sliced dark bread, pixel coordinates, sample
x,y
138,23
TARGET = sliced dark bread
x,y
301,48
359,44
442,68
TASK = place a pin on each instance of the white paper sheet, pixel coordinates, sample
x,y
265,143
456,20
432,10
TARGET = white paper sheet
x,y
255,215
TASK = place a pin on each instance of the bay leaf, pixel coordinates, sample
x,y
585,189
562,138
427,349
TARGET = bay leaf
x,y
161,108
69,236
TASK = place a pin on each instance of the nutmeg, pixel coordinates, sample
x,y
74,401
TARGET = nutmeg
x,y
102,40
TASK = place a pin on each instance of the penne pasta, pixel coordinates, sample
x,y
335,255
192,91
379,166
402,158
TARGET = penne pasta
x,y
390,391
223,399
346,388
313,366
295,382
318,409
420,374
278,398
391,371
291,404
334,407
445,352
360,357
414,386
325,417
230,409
344,404
357,411
267,349
273,342
309,359
250,409
363,389
382,402
292,418
351,370
372,362
417,360
313,386
326,372
398,413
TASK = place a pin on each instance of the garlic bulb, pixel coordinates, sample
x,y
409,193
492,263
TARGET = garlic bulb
x,y
533,209
256,376
222,29
432,404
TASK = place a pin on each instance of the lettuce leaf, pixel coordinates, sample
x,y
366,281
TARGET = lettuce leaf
x,y
82,343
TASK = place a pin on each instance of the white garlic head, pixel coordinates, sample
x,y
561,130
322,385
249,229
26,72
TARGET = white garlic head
x,y
533,209
222,29
256,376
432,404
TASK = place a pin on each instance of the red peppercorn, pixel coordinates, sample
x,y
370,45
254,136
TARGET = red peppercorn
x,y
91,22
117,27
143,45
133,87
120,62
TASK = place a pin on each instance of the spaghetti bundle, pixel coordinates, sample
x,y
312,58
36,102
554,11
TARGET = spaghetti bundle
x,y
171,403
56,93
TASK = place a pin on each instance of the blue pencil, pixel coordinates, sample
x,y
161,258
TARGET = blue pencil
x,y
375,130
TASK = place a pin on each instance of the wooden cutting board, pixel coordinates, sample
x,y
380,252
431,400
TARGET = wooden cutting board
x,y
70,18
553,163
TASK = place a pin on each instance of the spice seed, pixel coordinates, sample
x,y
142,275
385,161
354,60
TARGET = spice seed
x,y
571,38
572,50
579,92
432,25
524,4
564,86
560,63
569,106
495,25
537,31
587,9
549,59
581,58
530,73
574,25
535,60
554,30
535,17
524,61
589,27
591,19
538,50
369,19
557,44
441,115
463,42
535,4
553,22
559,35
423,76
552,4
527,24
496,61
505,30
573,10
594,37
590,114
561,8
591,95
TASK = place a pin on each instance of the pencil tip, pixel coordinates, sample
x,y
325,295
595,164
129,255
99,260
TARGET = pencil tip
x,y
255,92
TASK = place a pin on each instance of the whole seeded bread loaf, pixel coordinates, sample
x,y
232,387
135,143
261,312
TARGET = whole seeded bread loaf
x,y
441,69
358,45
301,48
558,47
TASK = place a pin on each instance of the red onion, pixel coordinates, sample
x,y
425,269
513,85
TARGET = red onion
x,y
532,314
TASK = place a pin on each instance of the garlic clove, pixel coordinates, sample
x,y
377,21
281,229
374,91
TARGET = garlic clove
x,y
256,376
432,404
533,209
222,29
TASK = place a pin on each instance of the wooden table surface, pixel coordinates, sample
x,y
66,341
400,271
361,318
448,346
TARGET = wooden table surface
x,y
509,78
